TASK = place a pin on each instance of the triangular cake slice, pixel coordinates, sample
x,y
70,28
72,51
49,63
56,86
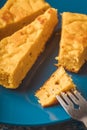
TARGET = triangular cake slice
x,y
17,13
58,82
19,51
73,44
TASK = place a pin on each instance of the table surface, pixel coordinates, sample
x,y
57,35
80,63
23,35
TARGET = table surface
x,y
69,125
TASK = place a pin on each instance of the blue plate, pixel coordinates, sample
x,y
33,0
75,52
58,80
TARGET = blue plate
x,y
21,107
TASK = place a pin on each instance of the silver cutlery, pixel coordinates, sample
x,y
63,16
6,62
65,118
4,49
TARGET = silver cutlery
x,y
74,104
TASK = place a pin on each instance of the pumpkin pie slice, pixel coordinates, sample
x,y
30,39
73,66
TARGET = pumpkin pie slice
x,y
19,51
17,13
73,44
58,82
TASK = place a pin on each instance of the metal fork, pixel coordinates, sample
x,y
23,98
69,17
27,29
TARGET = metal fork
x,y
74,104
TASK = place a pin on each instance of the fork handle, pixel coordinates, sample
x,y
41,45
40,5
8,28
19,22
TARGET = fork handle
x,y
84,120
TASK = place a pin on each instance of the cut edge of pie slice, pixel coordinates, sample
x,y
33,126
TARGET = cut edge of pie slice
x,y
73,44
58,82
20,51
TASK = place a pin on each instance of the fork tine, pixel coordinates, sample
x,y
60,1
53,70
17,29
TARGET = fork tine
x,y
64,104
67,99
79,96
69,102
73,97
61,101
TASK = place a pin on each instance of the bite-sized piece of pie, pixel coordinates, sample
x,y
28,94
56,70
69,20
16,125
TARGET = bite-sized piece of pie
x,y
58,82
19,51
17,13
73,44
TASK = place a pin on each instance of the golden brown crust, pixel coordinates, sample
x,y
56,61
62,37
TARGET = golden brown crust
x,y
73,44
17,13
19,51
58,82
